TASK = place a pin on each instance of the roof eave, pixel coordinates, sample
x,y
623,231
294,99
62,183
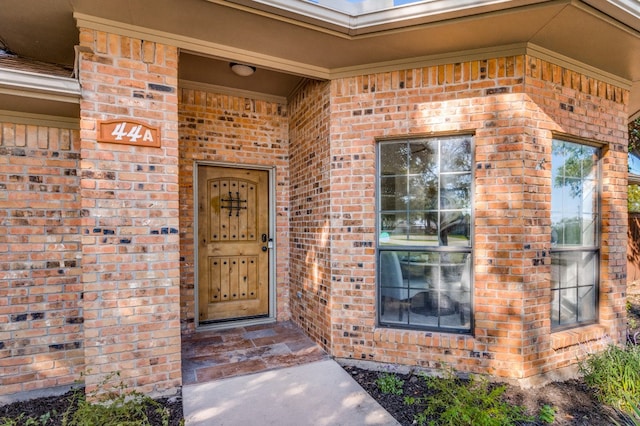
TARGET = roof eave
x,y
41,86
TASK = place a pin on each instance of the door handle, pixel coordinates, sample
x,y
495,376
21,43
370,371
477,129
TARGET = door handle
x,y
265,239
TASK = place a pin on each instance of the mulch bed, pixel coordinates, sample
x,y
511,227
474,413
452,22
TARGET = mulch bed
x,y
49,411
574,402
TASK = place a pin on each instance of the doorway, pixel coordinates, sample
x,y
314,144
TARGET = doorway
x,y
233,244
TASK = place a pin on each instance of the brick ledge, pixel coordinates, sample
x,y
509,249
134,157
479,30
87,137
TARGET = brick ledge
x,y
576,336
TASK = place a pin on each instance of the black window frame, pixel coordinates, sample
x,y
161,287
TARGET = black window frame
x,y
447,260
566,257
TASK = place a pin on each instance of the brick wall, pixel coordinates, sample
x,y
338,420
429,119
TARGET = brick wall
x,y
130,243
311,214
568,103
41,337
237,131
127,212
512,108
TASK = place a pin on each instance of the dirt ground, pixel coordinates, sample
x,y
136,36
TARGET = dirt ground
x,y
574,402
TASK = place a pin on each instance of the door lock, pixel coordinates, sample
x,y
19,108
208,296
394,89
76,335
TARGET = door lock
x,y
269,241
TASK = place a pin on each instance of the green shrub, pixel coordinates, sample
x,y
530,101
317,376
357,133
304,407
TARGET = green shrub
x,y
114,407
389,383
547,414
631,321
614,374
457,402
24,420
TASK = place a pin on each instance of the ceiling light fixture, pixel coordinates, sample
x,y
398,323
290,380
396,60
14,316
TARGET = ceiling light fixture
x,y
241,69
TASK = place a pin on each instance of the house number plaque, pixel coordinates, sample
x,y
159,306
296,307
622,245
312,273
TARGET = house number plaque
x,y
128,132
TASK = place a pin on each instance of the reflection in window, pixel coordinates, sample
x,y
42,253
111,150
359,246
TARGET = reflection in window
x,y
575,215
633,198
425,192
424,216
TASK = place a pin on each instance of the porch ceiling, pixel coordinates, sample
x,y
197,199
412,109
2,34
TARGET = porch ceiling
x,y
603,34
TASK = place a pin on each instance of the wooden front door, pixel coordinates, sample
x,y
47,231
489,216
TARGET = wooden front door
x,y
233,238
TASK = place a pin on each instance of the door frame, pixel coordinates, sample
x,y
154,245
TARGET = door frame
x,y
271,316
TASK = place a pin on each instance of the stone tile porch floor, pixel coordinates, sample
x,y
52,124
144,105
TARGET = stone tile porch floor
x,y
218,354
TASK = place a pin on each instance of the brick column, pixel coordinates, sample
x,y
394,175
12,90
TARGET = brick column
x,y
130,246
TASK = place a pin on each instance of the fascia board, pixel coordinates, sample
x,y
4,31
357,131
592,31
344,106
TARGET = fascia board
x,y
30,84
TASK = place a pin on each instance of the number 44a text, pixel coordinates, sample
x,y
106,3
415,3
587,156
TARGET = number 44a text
x,y
132,134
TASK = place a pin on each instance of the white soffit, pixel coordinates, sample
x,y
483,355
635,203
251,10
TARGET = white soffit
x,y
362,16
626,11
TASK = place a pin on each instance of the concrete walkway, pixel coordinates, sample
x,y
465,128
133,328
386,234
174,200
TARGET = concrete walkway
x,y
314,394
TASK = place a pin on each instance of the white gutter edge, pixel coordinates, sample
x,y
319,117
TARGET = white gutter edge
x,y
30,84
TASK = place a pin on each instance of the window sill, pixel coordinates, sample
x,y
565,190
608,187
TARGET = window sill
x,y
576,336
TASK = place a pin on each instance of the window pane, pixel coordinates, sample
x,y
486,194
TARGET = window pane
x,y
455,191
424,228
393,159
424,158
455,229
425,289
589,269
423,192
456,155
555,308
424,308
394,288
393,193
574,198
569,199
589,230
633,202
416,269
568,306
389,221
569,231
589,196
586,304
440,287
574,277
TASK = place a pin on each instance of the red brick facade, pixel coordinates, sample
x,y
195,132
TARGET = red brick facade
x,y
98,257
41,334
311,216
130,243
